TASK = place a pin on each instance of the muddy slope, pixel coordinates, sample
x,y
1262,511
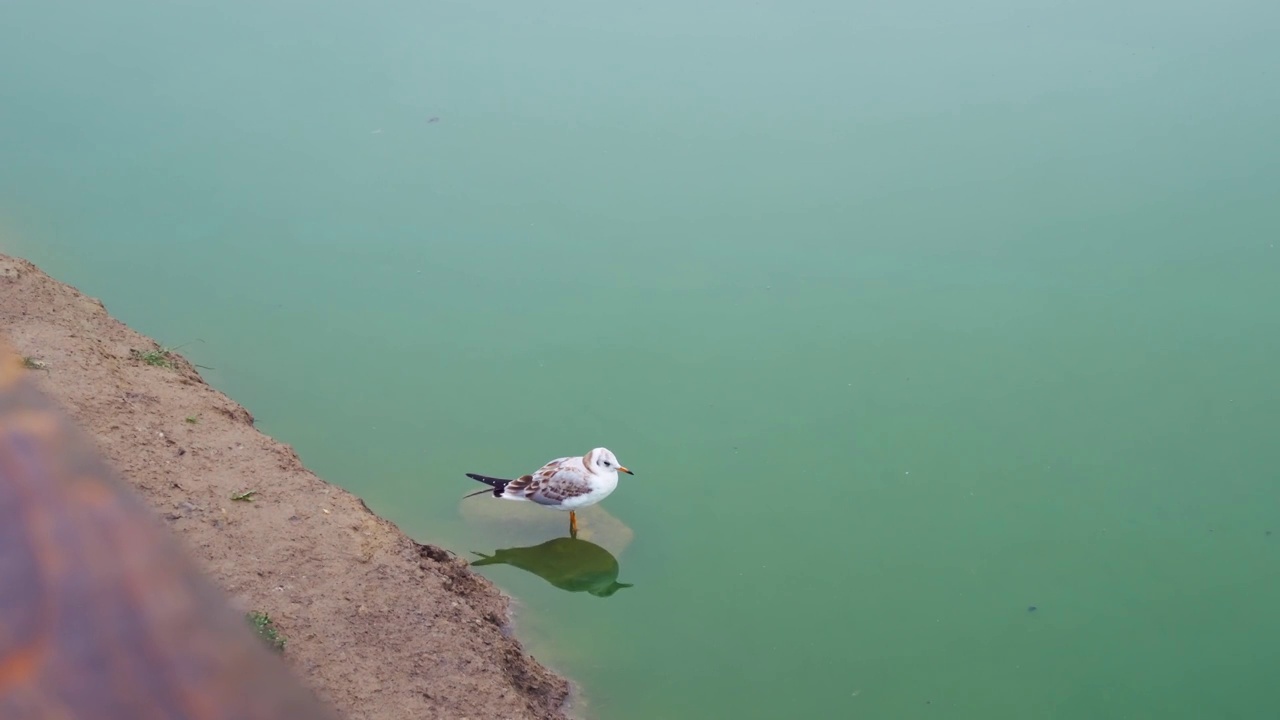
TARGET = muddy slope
x,y
377,624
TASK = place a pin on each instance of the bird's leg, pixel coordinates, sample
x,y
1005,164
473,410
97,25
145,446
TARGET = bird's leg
x,y
573,524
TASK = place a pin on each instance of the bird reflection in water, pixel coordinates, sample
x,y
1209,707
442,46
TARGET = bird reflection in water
x,y
568,563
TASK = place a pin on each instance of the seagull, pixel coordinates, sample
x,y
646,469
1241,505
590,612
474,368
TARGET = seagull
x,y
566,483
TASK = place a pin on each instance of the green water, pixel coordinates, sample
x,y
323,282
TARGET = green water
x,y
908,316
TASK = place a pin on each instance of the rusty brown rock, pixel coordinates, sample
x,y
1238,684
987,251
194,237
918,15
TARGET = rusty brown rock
x,y
101,616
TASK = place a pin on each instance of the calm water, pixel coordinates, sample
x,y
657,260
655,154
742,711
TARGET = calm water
x,y
908,316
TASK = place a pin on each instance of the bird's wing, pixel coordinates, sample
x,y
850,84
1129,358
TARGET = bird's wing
x,y
555,482
528,484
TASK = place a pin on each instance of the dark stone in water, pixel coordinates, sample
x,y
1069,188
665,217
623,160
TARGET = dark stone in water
x,y
1031,608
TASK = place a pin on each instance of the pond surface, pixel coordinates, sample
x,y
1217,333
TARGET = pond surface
x,y
909,317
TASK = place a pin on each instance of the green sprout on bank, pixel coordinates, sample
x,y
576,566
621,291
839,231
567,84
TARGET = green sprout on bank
x,y
31,363
246,496
159,357
266,629
162,356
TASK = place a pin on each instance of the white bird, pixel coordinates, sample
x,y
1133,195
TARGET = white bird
x,y
566,483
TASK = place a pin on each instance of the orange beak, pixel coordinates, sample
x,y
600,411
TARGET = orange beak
x,y
622,469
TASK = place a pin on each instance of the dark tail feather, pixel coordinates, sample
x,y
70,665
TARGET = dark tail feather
x,y
498,485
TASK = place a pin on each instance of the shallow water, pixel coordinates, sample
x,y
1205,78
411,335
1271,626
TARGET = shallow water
x,y
907,318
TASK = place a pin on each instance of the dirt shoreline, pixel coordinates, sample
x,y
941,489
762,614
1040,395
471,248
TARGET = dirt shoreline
x,y
378,625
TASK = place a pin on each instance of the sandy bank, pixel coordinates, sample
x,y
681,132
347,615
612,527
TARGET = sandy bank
x,y
377,624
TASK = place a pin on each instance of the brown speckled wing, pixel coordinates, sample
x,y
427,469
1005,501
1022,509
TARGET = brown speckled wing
x,y
551,484
527,486
555,484
519,486
565,486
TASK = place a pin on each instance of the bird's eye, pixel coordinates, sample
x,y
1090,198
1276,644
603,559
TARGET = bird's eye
x,y
606,462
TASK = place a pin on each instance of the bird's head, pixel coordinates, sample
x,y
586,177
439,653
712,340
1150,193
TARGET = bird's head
x,y
602,461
